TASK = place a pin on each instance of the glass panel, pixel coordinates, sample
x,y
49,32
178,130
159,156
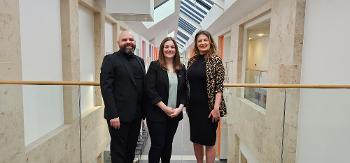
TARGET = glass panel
x,y
197,7
180,45
43,111
192,9
179,40
190,14
204,4
256,65
323,124
38,120
186,26
182,35
256,95
313,122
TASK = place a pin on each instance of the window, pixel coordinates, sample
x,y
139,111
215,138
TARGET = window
x,y
256,52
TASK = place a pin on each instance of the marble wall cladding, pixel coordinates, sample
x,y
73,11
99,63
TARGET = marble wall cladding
x,y
11,108
287,23
100,52
11,128
265,132
246,124
63,144
95,135
10,56
67,139
70,57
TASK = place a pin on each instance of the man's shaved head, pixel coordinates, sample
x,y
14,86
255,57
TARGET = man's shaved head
x,y
126,42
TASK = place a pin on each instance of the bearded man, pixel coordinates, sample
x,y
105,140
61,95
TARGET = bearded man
x,y
122,77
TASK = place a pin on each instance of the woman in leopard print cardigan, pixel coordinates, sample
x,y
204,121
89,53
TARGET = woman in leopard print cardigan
x,y
206,104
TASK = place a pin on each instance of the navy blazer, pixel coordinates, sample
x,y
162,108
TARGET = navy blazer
x,y
118,88
157,89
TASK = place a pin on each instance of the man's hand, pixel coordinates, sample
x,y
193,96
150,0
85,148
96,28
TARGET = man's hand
x,y
115,122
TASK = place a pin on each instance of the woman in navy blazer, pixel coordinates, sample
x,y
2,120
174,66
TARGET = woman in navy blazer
x,y
166,89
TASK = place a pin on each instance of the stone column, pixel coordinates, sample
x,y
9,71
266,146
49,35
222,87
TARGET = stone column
x,y
99,28
70,57
12,146
286,39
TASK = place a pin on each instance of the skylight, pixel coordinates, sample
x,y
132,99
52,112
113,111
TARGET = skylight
x,y
186,26
183,35
192,13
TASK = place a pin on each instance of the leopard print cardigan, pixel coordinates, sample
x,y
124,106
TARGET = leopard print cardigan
x,y
215,77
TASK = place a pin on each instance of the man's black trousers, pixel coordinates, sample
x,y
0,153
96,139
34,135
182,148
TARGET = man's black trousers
x,y
124,141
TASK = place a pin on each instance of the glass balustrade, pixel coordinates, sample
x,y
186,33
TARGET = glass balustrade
x,y
66,123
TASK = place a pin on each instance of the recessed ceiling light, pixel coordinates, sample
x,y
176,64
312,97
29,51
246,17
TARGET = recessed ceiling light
x,y
260,34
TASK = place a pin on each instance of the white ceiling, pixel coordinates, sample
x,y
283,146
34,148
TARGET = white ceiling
x,y
234,13
237,10
168,24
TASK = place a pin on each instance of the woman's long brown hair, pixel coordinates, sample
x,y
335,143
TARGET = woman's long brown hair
x,y
212,49
176,59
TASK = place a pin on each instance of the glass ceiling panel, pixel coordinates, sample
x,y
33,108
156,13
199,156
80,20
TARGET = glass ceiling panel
x,y
190,15
195,10
210,2
180,45
204,4
186,26
180,38
181,41
191,8
198,8
183,35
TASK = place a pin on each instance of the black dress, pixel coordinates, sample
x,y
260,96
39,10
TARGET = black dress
x,y
202,129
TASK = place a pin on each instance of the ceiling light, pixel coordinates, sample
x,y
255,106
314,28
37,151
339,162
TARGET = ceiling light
x,y
260,34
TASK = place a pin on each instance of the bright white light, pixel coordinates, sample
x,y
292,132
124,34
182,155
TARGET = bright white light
x,y
260,34
161,13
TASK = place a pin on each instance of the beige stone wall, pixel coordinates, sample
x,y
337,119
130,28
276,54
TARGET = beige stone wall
x,y
11,107
64,144
287,30
267,133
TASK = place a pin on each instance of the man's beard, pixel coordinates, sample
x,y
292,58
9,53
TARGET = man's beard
x,y
128,50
